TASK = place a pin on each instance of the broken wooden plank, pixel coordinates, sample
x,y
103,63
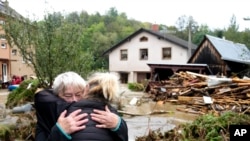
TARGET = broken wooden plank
x,y
190,111
144,114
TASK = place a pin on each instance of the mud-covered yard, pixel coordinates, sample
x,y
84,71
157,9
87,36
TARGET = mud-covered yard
x,y
148,115
142,116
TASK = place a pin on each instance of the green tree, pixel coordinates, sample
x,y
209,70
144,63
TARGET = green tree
x,y
232,32
245,38
200,33
50,46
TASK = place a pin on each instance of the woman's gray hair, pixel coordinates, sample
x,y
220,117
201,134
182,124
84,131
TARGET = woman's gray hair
x,y
64,80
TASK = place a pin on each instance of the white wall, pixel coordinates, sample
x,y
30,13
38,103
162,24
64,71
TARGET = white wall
x,y
133,64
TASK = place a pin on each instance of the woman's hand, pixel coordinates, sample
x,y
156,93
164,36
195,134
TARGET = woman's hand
x,y
73,122
106,118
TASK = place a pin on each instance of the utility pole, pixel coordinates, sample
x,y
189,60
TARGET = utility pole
x,y
189,39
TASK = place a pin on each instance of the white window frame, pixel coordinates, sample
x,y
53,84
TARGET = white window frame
x,y
3,43
14,52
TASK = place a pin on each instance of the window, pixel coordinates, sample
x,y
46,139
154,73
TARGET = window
x,y
124,54
3,45
14,52
143,39
144,54
166,53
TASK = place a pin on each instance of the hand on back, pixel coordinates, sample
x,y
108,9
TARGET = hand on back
x,y
106,118
73,122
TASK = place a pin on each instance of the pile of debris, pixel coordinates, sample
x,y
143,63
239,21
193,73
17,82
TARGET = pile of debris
x,y
202,94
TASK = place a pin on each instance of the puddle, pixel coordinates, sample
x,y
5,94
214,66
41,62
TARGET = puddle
x,y
140,125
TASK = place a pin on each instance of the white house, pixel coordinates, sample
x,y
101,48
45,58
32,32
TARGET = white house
x,y
129,58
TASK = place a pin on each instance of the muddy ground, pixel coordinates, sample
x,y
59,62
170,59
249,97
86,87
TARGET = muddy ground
x,y
140,117
140,125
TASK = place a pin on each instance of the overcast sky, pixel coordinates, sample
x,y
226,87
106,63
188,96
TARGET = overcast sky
x,y
214,13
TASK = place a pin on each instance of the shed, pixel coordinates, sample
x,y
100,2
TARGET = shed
x,y
223,57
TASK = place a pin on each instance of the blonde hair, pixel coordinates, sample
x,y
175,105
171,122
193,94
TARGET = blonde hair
x,y
68,79
106,83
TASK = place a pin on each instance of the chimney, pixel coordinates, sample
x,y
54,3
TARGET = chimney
x,y
155,27
6,3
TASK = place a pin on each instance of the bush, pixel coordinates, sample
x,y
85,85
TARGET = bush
x,y
135,86
22,94
206,128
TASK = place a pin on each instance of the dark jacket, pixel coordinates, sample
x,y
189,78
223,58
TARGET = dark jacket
x,y
91,132
48,108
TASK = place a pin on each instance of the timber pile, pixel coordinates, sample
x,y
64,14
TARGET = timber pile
x,y
202,94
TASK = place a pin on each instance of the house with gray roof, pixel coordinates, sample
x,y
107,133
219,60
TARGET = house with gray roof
x,y
130,57
11,61
222,56
6,10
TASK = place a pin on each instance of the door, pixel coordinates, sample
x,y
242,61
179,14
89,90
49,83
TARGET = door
x,y
5,79
124,78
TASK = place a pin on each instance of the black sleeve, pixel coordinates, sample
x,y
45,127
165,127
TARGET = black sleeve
x,y
47,107
122,133
40,135
55,135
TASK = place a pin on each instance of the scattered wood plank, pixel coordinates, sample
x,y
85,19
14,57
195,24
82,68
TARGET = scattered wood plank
x,y
144,114
189,88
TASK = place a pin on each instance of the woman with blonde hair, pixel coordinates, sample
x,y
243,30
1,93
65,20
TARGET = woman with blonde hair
x,y
103,91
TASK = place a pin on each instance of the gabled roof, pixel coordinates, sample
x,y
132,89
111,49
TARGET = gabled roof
x,y
6,10
167,37
229,50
